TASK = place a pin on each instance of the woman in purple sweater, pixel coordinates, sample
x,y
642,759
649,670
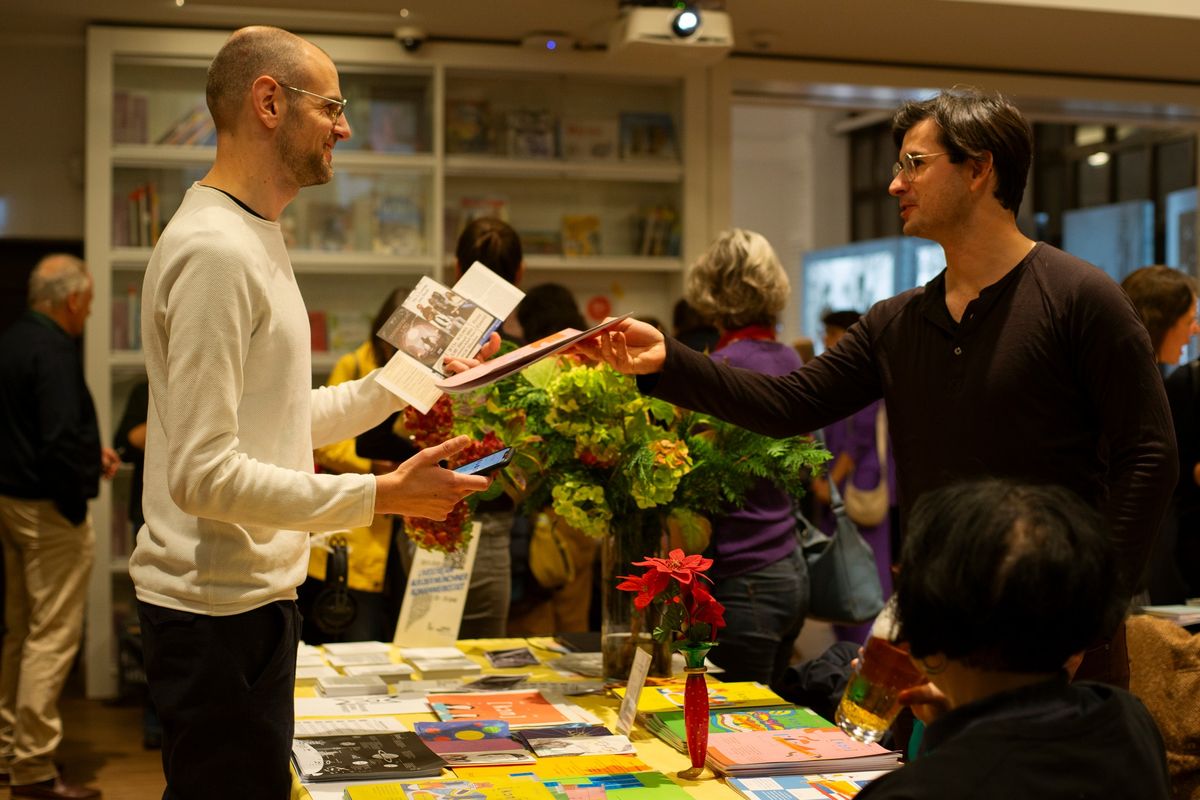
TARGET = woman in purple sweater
x,y
760,575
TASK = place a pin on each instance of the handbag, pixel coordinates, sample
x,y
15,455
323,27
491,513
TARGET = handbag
x,y
549,554
869,507
843,580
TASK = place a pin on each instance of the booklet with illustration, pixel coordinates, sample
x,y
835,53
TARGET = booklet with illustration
x,y
517,360
364,756
435,323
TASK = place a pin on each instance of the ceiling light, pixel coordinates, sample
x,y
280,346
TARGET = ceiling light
x,y
1098,159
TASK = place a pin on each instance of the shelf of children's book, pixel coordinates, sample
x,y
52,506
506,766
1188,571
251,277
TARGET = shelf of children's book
x,y
350,262
127,362
358,161
161,155
557,168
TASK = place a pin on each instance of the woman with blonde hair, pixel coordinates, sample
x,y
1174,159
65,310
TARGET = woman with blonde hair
x,y
759,574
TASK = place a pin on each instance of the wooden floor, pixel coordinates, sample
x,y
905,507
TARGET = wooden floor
x,y
102,748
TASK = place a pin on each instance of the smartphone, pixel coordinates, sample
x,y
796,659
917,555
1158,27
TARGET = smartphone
x,y
489,463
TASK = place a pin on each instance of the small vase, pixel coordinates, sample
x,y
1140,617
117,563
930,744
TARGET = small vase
x,y
695,707
625,629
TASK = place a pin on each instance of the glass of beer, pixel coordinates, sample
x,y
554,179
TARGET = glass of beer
x,y
870,705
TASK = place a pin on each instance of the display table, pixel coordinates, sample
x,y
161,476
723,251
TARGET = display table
x,y
652,750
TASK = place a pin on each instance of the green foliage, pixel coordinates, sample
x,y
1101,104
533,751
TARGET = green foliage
x,y
603,455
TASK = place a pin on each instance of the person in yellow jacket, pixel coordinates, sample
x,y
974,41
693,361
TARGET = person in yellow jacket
x,y
374,602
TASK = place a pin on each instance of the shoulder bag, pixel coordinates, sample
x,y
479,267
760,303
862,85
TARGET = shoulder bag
x,y
841,569
869,507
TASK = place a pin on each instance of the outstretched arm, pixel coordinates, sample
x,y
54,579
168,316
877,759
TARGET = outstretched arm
x,y
420,487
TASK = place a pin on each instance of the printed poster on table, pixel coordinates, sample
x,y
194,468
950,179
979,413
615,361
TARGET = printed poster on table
x,y
436,595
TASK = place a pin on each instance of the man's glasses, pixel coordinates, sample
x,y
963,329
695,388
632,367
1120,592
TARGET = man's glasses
x,y
909,162
334,108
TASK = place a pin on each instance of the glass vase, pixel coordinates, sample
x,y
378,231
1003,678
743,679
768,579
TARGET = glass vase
x,y
695,707
625,629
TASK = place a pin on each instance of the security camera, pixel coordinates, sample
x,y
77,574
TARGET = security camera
x,y
410,37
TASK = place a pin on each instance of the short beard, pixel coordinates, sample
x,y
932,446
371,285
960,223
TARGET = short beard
x,y
303,167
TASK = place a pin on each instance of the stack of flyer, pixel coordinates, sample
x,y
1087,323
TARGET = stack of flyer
x,y
520,709
670,727
797,787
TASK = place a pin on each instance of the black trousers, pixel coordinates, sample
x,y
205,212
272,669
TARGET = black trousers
x,y
223,687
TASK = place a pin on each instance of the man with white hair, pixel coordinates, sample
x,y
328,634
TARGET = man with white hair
x,y
52,467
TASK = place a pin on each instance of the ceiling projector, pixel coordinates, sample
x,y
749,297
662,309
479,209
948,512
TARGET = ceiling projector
x,y
655,31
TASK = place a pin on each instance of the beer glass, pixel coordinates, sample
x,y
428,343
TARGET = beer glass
x,y
869,705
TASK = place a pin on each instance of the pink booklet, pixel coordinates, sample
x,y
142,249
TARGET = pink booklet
x,y
505,365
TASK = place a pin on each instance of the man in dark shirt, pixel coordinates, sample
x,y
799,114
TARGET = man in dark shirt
x,y
52,465
1017,361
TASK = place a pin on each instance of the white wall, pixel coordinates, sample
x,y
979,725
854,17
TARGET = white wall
x,y
791,184
41,182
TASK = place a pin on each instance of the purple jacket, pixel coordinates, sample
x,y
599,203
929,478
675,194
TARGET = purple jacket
x,y
762,531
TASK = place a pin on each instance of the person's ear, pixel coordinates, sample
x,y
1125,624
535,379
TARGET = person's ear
x,y
266,97
982,170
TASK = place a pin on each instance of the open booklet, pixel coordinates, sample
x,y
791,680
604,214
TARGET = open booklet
x,y
434,323
522,357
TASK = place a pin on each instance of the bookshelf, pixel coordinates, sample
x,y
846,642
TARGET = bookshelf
x,y
549,145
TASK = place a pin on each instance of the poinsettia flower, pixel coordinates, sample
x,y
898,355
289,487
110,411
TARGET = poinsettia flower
x,y
678,566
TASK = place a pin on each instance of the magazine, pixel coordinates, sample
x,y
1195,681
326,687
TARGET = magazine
x,y
434,323
364,756
522,357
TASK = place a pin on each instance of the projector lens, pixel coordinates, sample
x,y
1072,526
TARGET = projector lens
x,y
685,23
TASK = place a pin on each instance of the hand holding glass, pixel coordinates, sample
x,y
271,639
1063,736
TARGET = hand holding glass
x,y
871,701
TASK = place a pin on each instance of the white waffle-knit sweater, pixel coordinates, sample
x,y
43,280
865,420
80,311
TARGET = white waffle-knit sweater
x,y
230,495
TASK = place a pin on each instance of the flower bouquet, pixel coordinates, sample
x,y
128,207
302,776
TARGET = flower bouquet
x,y
689,621
631,470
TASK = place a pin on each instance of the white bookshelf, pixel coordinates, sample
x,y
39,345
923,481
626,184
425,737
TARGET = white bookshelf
x,y
345,257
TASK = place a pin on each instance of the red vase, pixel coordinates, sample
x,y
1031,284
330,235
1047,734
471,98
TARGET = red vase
x,y
695,707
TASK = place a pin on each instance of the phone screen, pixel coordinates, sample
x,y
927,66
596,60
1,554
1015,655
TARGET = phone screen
x,y
488,463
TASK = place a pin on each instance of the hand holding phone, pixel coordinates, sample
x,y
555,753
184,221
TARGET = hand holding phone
x,y
488,464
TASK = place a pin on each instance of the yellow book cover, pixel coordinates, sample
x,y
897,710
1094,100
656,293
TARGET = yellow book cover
x,y
669,696
557,767
498,789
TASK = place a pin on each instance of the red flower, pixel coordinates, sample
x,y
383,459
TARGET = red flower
x,y
678,566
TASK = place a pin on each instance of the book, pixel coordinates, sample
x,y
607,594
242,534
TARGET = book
x,y
511,657
588,140
649,136
468,126
795,752
644,785
580,235
573,729
498,789
364,756
393,124
611,745
517,708
318,332
517,360
473,743
129,117
351,685
669,696
803,787
671,728
389,673
434,323
530,133
552,769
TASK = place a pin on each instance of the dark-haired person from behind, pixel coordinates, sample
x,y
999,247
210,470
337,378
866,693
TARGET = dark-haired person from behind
x,y
1001,588
548,308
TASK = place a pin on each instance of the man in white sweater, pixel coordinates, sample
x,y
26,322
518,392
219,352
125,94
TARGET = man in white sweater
x,y
230,496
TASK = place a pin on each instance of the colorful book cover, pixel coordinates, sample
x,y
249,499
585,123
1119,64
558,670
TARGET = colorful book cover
x,y
556,768
741,720
561,731
788,747
797,787
517,709
452,789
648,785
613,745
669,696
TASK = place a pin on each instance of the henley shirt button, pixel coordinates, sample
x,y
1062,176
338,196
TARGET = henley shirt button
x,y
958,351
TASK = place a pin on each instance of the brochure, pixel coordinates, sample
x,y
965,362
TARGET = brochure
x,y
354,756
517,360
434,323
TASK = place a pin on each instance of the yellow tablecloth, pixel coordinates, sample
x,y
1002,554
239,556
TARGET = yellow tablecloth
x,y
650,748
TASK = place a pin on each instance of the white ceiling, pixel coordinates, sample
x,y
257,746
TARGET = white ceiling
x,y
1158,42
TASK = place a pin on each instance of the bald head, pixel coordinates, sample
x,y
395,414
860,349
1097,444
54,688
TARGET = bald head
x,y
248,54
54,279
